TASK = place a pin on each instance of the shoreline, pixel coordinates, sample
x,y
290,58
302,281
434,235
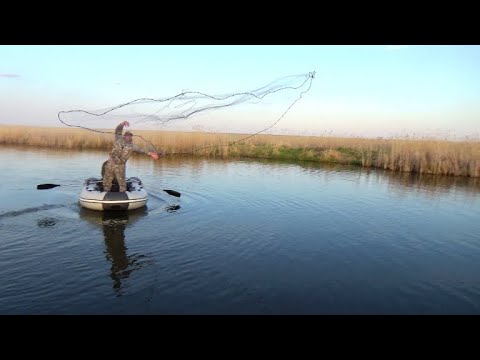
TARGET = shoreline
x,y
423,156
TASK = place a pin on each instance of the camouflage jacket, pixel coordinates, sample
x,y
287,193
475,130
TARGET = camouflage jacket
x,y
122,150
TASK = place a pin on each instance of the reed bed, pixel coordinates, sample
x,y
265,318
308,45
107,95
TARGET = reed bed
x,y
425,156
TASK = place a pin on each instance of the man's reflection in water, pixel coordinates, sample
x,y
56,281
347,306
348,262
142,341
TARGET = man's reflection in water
x,y
113,225
116,250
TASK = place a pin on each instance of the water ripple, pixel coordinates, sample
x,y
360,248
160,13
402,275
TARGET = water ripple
x,y
29,210
245,237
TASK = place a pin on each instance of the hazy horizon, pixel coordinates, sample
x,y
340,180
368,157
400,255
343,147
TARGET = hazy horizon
x,y
363,91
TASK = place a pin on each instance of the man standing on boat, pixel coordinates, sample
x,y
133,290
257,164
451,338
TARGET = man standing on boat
x,y
114,167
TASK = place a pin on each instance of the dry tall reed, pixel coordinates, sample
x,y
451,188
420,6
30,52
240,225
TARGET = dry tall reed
x,y
438,157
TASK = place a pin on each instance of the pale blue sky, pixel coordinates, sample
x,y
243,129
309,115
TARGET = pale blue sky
x,y
358,90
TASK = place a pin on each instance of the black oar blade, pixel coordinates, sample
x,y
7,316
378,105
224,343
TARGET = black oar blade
x,y
173,193
46,186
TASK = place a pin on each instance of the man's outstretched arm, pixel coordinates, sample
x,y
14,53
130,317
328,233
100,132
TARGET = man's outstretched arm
x,y
119,129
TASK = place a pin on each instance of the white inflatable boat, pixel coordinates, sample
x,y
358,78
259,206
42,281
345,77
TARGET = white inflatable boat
x,y
93,197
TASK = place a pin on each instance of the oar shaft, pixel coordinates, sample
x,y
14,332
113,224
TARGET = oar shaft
x,y
51,186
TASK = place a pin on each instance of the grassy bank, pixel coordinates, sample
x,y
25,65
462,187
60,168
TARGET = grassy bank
x,y
437,157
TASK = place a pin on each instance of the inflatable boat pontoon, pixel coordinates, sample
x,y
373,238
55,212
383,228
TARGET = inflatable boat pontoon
x,y
93,197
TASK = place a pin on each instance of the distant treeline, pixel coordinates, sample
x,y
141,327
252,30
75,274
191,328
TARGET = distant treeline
x,y
440,157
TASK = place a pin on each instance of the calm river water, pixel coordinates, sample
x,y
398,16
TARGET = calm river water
x,y
245,237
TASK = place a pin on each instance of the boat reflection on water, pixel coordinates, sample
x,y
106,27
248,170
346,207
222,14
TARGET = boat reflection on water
x,y
113,225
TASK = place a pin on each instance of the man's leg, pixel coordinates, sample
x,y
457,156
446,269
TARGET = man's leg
x,y
104,165
114,181
108,177
120,175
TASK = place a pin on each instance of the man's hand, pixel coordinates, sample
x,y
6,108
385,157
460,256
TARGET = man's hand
x,y
126,123
154,155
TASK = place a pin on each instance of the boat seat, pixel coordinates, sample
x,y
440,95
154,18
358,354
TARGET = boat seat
x,y
115,186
